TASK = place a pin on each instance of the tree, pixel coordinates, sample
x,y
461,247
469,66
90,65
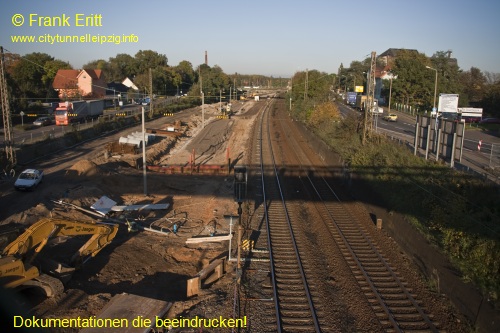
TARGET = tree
x,y
149,59
323,115
491,100
186,72
448,75
33,75
474,84
213,79
415,83
51,68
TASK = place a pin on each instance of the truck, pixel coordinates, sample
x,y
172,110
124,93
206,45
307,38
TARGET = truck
x,y
29,179
360,102
78,111
351,98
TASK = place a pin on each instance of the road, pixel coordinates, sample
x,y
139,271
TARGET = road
x,y
481,161
33,134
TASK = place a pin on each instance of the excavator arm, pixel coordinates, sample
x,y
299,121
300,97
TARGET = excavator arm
x,y
15,264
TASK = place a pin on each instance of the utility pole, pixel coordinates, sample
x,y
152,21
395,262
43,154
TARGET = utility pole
x,y
202,102
144,165
306,87
7,123
370,96
150,93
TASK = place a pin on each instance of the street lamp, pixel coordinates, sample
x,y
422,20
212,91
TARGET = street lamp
x,y
435,110
435,87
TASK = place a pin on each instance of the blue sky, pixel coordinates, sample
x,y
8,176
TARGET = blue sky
x,y
266,37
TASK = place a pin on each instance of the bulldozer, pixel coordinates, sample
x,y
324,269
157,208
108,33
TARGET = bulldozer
x,y
17,261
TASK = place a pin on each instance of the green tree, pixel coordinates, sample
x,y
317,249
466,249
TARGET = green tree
x,y
187,74
51,68
448,75
33,75
414,84
473,82
147,59
213,81
123,66
309,89
491,100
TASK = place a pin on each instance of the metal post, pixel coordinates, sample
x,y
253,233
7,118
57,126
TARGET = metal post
x,y
144,155
390,94
437,144
202,110
240,229
230,233
491,155
452,162
428,141
417,136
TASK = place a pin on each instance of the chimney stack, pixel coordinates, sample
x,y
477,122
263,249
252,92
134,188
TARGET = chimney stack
x,y
206,58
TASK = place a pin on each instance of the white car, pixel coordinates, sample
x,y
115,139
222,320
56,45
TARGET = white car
x,y
43,121
29,179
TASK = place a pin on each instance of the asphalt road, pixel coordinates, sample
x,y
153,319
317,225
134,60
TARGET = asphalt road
x,y
480,160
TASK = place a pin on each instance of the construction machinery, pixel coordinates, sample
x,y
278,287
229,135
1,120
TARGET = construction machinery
x,y
18,268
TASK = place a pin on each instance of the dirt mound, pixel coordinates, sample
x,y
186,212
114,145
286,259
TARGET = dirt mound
x,y
83,168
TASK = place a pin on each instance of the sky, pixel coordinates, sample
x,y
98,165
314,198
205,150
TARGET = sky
x,y
270,37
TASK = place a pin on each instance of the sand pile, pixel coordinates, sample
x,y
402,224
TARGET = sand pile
x,y
84,168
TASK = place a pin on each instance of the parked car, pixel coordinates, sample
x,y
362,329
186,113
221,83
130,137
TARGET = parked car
x,y
490,121
391,117
28,179
43,121
146,101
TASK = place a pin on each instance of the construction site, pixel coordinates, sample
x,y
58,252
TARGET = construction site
x,y
168,221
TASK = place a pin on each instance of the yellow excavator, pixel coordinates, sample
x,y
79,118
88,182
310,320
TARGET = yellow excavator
x,y
17,268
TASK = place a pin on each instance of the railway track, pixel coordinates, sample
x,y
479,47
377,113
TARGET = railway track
x,y
396,307
299,305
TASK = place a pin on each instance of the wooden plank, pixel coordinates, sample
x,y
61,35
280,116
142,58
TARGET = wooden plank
x,y
128,307
139,207
214,271
208,239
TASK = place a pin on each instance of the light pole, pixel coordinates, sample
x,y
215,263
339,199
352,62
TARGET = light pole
x,y
435,87
435,110
390,94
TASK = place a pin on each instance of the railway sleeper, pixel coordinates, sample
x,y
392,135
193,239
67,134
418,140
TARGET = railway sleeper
x,y
291,299
304,323
286,293
412,326
382,276
404,310
384,291
289,281
386,285
283,258
285,265
400,303
408,318
396,297
295,310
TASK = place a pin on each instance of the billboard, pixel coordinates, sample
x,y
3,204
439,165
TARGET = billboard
x,y
448,103
358,89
